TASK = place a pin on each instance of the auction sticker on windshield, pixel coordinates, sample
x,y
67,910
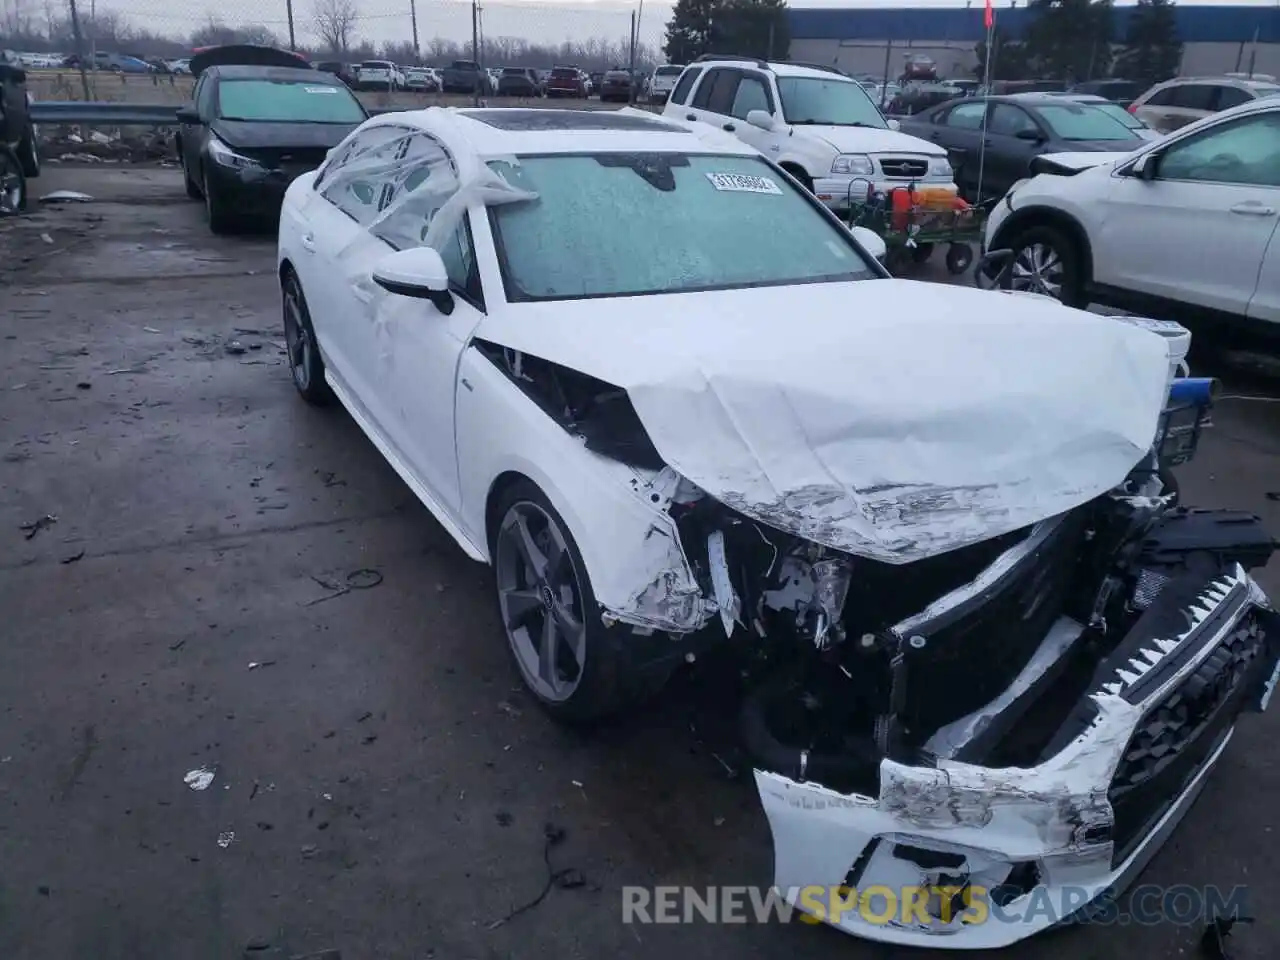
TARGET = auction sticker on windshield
x,y
743,183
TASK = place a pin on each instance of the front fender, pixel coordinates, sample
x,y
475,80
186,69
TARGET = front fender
x,y
630,544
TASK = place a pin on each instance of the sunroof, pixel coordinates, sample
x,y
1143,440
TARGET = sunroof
x,y
537,120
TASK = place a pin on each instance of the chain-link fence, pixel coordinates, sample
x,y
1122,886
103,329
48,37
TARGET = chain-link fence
x,y
111,35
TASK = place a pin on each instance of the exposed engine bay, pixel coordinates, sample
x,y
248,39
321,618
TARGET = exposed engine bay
x,y
1053,693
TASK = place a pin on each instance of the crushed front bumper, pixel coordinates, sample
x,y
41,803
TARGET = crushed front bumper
x,y
969,857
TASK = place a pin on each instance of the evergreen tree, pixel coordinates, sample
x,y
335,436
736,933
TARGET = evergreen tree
x,y
1152,50
756,28
1070,39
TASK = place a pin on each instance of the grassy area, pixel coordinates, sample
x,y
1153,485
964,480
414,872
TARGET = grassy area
x,y
138,88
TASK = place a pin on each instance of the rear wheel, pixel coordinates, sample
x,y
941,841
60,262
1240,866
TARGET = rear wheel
x,y
305,363
570,661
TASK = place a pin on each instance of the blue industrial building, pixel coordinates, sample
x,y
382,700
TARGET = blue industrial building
x,y
1216,39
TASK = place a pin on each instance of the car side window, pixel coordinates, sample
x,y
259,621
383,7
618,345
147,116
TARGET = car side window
x,y
685,84
715,92
1008,120
966,116
1245,151
1161,98
355,181
1229,97
752,94
1195,96
205,98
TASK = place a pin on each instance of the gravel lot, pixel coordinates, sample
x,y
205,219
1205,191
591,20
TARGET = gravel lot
x,y
386,782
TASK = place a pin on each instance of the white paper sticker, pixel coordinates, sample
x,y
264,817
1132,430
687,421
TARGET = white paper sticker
x,y
321,89
743,183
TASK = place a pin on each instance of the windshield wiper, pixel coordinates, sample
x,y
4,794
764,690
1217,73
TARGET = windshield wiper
x,y
832,123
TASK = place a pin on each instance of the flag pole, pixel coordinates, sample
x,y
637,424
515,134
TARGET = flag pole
x,y
986,93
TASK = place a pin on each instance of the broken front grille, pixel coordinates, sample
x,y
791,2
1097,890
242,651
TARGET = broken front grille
x,y
973,653
904,168
1177,736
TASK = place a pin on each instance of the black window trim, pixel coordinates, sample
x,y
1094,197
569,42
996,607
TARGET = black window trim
x,y
768,89
1025,111
944,117
1201,134
693,73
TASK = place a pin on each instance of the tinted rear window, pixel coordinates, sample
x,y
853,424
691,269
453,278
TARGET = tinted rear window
x,y
669,71
374,65
282,101
512,72
565,74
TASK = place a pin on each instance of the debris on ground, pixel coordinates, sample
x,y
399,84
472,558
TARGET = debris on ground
x,y
66,196
235,348
504,819
363,579
508,709
1213,942
199,779
256,664
35,526
46,238
569,878
309,850
73,558
226,838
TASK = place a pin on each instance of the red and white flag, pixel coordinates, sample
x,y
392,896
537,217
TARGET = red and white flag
x,y
989,16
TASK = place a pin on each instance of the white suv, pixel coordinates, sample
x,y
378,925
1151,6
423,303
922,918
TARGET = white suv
x,y
662,81
816,123
1175,103
1180,229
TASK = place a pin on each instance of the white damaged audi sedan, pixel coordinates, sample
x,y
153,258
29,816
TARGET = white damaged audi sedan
x,y
674,402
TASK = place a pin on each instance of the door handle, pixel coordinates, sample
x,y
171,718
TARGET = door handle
x,y
1253,210
729,127
691,116
308,242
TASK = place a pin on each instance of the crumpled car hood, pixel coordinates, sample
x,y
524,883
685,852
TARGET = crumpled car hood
x,y
887,418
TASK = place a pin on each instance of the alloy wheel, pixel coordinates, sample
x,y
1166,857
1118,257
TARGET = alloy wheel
x,y
297,338
540,600
1038,268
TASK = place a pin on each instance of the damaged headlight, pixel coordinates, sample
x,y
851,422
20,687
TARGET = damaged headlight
x,y
224,155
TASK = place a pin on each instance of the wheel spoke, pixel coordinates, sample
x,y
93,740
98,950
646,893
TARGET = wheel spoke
x,y
548,647
520,606
529,550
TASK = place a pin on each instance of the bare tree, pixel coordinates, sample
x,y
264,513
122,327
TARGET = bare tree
x,y
335,23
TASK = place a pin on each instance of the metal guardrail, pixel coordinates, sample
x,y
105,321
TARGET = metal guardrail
x,y
106,114
123,114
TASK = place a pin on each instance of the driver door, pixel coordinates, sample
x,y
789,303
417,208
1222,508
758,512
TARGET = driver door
x,y
1198,232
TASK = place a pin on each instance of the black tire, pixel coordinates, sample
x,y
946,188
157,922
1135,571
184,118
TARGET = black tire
x,y
13,183
603,686
305,363
221,218
1068,253
921,253
29,153
192,188
959,258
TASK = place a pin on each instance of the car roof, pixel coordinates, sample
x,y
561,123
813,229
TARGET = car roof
x,y
779,68
489,133
1243,82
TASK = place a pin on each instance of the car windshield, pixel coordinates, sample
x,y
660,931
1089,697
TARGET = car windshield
x,y
374,65
287,100
840,103
693,222
1082,121
512,72
1121,114
668,71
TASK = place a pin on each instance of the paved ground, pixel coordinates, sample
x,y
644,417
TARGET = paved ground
x,y
386,782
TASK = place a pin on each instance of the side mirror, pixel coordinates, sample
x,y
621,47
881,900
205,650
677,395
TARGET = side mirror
x,y
1144,168
870,241
417,272
1027,133
760,118
893,124
188,115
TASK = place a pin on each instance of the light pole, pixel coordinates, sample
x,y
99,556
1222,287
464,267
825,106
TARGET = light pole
x,y
413,18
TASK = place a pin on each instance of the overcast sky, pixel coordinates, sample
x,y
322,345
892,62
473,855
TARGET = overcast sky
x,y
535,20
